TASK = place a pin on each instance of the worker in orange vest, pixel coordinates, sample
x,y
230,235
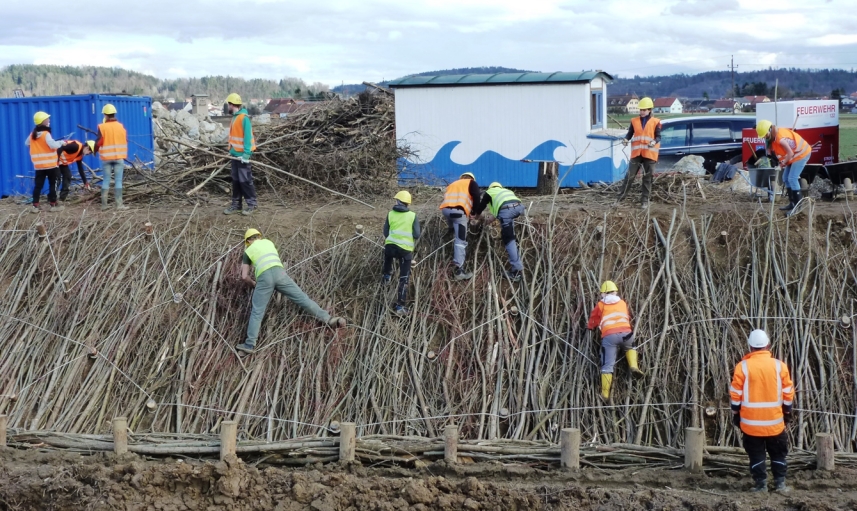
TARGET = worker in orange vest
x,y
793,154
43,154
241,147
761,395
73,152
458,201
111,144
644,134
612,317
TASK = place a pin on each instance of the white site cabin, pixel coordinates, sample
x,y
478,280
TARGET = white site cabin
x,y
500,126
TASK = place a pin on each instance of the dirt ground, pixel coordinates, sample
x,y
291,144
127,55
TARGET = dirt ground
x,y
33,480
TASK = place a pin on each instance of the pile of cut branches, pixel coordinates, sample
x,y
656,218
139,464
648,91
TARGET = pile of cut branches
x,y
346,145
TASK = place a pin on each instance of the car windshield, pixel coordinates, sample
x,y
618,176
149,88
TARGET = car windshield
x,y
711,132
674,135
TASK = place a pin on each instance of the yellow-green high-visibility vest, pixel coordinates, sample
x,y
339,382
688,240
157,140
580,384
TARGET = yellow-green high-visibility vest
x,y
499,196
263,254
401,229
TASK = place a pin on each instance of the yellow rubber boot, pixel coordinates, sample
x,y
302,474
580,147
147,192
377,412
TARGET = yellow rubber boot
x,y
606,382
631,355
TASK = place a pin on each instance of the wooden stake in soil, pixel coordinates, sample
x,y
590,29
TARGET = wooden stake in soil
x,y
40,228
347,441
3,421
228,438
569,443
450,447
824,452
693,444
120,435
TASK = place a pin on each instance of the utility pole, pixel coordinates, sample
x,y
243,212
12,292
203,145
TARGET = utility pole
x,y
732,67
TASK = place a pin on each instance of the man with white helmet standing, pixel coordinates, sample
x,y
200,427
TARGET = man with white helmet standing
x,y
271,276
612,317
112,147
644,133
241,147
401,231
505,206
761,395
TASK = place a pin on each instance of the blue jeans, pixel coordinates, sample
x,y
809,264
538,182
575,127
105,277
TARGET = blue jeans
x,y
110,168
507,216
791,173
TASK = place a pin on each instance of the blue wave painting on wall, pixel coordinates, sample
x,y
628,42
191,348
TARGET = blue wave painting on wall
x,y
492,166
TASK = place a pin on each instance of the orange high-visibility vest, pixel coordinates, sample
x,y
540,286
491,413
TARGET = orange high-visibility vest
x,y
799,146
236,134
612,318
642,137
761,386
41,154
458,195
68,159
114,141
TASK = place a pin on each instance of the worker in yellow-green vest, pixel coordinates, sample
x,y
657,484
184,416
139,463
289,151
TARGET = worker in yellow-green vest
x,y
505,207
270,274
401,230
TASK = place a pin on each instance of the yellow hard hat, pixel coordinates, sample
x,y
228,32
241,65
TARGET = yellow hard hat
x,y
608,286
39,117
763,127
468,174
646,104
234,99
495,184
108,109
403,196
91,145
250,233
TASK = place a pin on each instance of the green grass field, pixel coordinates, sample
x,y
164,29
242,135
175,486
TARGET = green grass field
x,y
847,129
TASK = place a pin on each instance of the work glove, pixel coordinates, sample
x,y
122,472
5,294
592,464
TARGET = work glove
x,y
736,420
245,159
652,143
625,142
787,418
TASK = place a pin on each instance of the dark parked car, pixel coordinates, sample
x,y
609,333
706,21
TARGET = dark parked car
x,y
717,138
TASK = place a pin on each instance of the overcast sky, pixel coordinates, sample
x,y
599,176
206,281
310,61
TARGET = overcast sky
x,y
348,41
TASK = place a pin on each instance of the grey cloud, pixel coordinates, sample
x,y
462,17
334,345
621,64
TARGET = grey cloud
x,y
703,7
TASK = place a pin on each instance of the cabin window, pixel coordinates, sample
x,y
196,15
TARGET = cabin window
x,y
596,109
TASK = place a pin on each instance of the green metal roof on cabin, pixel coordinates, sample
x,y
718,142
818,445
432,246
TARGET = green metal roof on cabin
x,y
498,79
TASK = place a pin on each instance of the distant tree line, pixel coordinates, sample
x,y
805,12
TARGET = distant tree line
x,y
788,83
43,80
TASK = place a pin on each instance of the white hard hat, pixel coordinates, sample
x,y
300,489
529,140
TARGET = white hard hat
x,y
758,339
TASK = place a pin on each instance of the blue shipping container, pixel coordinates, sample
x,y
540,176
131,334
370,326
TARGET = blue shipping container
x,y
16,123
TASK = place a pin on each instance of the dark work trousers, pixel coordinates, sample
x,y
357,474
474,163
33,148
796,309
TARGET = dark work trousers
x,y
404,257
65,172
634,167
52,176
777,448
242,185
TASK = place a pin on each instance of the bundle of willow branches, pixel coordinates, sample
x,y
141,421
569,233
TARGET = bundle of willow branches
x,y
100,319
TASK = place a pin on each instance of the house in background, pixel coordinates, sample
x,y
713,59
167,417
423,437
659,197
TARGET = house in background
x,y
282,107
624,104
748,103
725,106
504,127
668,106
179,105
847,104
